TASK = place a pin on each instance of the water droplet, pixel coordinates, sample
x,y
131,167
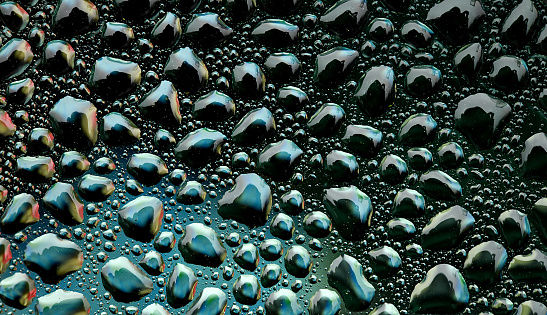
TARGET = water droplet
x,y
345,274
53,258
442,290
125,281
141,218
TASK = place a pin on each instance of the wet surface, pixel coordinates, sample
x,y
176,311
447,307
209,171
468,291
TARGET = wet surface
x,y
273,157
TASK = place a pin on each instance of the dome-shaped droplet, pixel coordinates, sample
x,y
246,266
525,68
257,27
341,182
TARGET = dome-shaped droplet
x,y
423,81
480,117
333,66
63,203
484,262
141,218
59,301
341,166
53,258
519,24
7,128
384,261
74,17
249,81
247,257
200,147
201,245
191,193
283,302
214,106
13,16
162,104
40,140
533,156
125,281
21,91
531,307
5,254
350,209
278,160
345,17
450,155
163,139
292,202
531,267
246,289
35,168
317,224
104,166
15,57
271,249
154,309
408,203
282,226
21,212
248,202
146,168
254,127
282,67
165,242
58,57
401,229
327,120
417,33
117,35
418,129
186,70
345,274
515,227
74,122
325,302
365,141
112,77
95,188
298,261
509,73
447,228
118,130
468,60
456,20
207,29
210,301
152,263
376,90
440,186
393,169
167,31
73,164
17,290
443,290
270,275
380,29
420,158
181,286
276,33
538,215
385,309
292,98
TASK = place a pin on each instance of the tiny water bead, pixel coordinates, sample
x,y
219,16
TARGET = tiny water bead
x,y
273,157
